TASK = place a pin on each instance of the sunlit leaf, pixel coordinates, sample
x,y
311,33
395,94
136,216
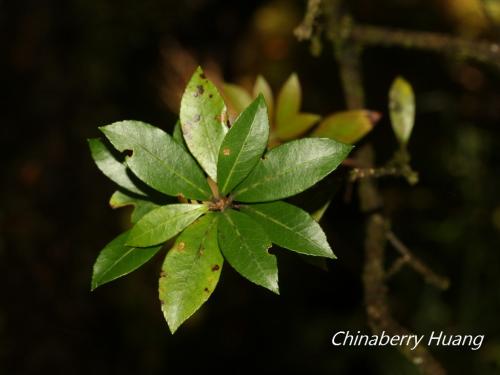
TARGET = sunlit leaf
x,y
190,271
117,260
243,145
291,168
291,228
203,120
112,168
244,245
163,223
178,136
141,206
158,160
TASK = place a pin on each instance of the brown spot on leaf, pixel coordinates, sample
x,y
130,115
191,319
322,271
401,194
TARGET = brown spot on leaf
x,y
226,151
203,76
197,118
206,290
163,274
210,96
200,90
181,245
215,267
128,152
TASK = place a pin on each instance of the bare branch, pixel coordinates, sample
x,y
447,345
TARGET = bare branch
x,y
416,264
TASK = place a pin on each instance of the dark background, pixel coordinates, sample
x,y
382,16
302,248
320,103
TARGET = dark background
x,y
67,67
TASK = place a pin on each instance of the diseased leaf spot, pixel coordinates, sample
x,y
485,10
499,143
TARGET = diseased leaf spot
x,y
128,152
163,274
206,290
210,96
199,90
203,76
215,267
226,151
181,245
197,118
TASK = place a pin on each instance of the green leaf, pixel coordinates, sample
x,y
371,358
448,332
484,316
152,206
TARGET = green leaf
x,y
402,109
297,125
117,260
237,96
291,168
141,206
190,272
291,228
158,160
318,214
203,115
115,170
163,223
244,245
243,145
348,126
177,135
288,102
261,86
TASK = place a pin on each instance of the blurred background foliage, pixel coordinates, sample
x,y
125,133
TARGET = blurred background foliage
x,y
70,66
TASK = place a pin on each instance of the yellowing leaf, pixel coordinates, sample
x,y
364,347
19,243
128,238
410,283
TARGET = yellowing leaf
x,y
288,102
348,126
238,98
402,109
261,86
297,125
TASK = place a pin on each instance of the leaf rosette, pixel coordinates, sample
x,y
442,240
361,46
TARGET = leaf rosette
x,y
229,190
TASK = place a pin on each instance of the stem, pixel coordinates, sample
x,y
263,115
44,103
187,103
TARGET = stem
x,y
482,51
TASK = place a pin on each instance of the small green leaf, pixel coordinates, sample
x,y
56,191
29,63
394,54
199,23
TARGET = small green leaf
x,y
158,160
203,116
291,168
244,245
348,126
243,145
177,135
318,214
141,206
261,86
402,109
117,260
297,125
288,102
237,96
115,170
291,228
190,272
163,223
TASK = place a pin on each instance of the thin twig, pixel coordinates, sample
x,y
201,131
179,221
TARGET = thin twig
x,y
416,264
374,275
483,51
305,30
